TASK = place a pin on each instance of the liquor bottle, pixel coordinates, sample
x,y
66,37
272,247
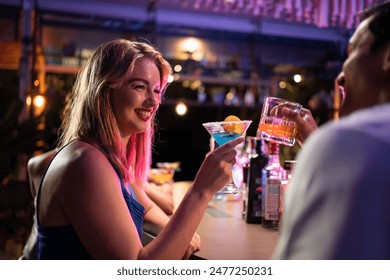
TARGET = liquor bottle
x,y
249,97
253,196
288,166
273,173
247,152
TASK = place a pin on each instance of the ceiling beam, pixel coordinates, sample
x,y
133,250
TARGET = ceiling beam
x,y
194,20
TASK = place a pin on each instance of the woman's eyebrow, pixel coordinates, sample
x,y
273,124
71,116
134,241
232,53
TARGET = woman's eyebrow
x,y
139,79
158,85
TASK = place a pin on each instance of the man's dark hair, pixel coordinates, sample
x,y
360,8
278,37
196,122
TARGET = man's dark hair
x,y
380,24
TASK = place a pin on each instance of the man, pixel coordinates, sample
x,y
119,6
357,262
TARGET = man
x,y
337,205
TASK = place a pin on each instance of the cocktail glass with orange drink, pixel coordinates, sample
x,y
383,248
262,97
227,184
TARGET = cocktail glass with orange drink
x,y
160,176
164,172
273,126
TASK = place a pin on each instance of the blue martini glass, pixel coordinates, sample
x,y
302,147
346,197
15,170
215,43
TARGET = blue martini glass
x,y
223,132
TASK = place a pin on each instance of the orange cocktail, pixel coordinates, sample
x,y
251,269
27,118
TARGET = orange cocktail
x,y
273,126
161,176
278,128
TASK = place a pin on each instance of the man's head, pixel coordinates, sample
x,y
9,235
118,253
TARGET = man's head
x,y
365,76
380,24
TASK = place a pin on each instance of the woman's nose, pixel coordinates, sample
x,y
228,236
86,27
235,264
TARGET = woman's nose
x,y
152,97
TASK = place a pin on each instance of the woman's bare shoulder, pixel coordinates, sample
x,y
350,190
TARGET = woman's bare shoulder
x,y
79,163
80,154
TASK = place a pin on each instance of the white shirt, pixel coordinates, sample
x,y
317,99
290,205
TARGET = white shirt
x,y
338,204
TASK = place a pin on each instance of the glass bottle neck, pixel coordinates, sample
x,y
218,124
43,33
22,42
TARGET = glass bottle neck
x,y
274,158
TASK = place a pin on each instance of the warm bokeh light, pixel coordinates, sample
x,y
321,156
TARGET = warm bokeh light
x,y
36,83
39,101
186,83
177,68
297,78
229,96
170,79
28,100
181,109
195,84
40,143
191,45
176,77
282,85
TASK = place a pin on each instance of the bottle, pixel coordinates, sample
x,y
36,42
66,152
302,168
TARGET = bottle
x,y
245,172
247,154
253,196
249,97
287,166
273,174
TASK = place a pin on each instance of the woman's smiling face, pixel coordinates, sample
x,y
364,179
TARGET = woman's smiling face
x,y
136,101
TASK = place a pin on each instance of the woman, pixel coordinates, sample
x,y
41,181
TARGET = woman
x,y
84,205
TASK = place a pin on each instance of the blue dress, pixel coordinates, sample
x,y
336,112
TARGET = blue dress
x,y
62,242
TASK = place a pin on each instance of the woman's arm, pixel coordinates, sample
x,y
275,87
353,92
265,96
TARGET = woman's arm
x,y
155,216
215,172
153,213
162,196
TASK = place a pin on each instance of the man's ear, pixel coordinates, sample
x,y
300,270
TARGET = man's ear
x,y
386,60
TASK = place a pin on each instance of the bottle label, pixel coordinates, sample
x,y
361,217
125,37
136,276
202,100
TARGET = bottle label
x,y
271,208
256,204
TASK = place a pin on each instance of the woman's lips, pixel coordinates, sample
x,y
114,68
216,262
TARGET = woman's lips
x,y
143,114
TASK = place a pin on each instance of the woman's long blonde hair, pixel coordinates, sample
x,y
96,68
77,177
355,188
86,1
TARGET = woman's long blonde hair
x,y
89,116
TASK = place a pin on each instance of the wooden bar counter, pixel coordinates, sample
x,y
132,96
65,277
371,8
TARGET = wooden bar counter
x,y
224,233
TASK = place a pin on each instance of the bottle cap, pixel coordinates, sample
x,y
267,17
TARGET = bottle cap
x,y
289,164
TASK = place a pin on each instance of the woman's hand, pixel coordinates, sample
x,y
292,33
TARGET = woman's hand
x,y
304,120
193,247
216,169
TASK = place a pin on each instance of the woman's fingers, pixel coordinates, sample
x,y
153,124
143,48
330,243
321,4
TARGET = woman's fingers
x,y
227,151
216,169
225,148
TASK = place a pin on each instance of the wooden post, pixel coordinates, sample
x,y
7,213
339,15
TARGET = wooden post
x,y
26,58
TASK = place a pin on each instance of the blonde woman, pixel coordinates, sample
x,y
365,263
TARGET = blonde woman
x,y
85,209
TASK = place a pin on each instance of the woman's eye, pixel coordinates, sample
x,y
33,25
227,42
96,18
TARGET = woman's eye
x,y
139,86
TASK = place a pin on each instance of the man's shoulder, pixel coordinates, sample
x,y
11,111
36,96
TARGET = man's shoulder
x,y
373,122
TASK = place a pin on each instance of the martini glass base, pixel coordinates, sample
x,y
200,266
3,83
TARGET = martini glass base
x,y
230,188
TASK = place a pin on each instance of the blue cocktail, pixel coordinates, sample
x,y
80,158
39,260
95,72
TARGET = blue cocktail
x,y
223,132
